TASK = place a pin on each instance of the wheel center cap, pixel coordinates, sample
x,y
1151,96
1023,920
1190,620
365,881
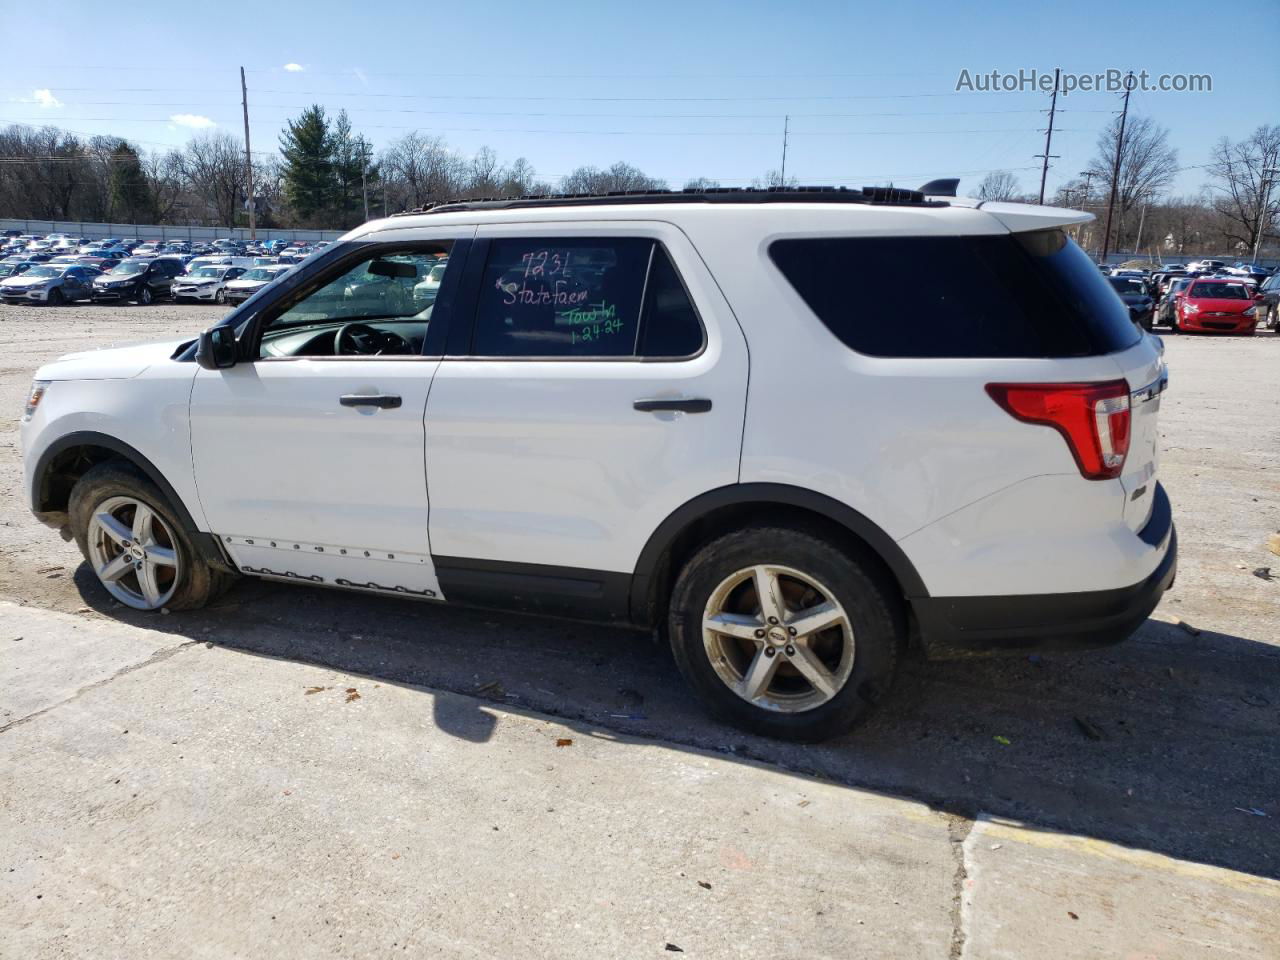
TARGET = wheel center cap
x,y
777,636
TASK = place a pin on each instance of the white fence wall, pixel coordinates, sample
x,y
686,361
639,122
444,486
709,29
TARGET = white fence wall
x,y
155,232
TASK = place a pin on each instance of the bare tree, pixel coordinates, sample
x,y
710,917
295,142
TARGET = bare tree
x,y
701,183
1238,185
520,179
420,169
999,185
621,176
774,178
214,167
1147,165
484,175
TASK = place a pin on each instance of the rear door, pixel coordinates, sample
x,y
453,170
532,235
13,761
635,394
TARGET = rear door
x,y
601,385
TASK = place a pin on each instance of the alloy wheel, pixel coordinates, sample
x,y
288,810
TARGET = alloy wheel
x,y
778,638
134,553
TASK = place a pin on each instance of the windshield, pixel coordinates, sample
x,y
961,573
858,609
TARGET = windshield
x,y
1125,285
207,271
259,274
1218,291
44,272
127,269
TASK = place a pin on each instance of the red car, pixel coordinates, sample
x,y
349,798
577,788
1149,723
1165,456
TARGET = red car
x,y
1217,306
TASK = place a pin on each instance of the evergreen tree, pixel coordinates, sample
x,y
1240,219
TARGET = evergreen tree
x,y
308,148
129,189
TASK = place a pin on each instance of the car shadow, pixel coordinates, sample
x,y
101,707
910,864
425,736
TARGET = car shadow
x,y
1169,742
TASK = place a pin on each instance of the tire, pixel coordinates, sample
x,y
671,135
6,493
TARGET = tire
x,y
144,295
56,298
220,297
804,571
116,489
1273,318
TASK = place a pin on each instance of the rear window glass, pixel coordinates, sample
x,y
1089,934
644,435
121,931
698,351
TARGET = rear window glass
x,y
1021,295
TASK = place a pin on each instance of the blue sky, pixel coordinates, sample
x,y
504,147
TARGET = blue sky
x,y
678,89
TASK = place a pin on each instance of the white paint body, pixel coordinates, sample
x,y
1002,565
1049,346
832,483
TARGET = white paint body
x,y
546,461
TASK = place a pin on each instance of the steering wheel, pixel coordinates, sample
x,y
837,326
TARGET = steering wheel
x,y
361,338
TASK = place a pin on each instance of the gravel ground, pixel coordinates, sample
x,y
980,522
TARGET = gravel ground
x,y
1161,743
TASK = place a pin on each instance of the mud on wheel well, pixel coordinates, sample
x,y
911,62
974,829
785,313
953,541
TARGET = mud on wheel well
x,y
726,519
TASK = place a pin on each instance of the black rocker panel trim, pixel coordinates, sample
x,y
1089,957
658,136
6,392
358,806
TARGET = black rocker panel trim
x,y
597,595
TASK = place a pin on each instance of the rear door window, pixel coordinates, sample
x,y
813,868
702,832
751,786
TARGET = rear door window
x,y
1020,295
579,298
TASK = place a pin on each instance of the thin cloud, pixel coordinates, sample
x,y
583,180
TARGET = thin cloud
x,y
294,67
359,75
193,120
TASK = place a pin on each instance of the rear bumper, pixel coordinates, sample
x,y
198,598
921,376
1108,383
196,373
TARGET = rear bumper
x,y
983,626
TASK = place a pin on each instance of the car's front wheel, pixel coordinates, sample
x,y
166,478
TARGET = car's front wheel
x,y
134,543
220,296
55,298
144,295
784,634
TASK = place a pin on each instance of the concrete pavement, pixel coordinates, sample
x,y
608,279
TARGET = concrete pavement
x,y
166,797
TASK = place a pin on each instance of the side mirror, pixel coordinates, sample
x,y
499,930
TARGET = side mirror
x,y
216,349
1258,298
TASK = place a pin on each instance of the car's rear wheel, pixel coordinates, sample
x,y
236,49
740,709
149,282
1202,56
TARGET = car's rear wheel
x,y
56,298
783,634
129,534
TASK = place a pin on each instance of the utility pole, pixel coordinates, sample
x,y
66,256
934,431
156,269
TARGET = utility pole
x,y
248,159
1268,178
364,162
1115,169
1048,137
1137,243
786,123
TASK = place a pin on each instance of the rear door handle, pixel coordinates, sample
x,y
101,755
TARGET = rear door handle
x,y
384,401
677,404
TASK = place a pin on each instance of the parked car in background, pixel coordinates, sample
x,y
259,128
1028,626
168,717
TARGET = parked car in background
x,y
428,288
147,249
1269,305
141,281
1212,305
49,283
1133,291
208,283
1206,266
1166,312
253,280
11,268
34,257
100,263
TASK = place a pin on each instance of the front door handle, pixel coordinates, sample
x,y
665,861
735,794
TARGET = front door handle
x,y
383,401
676,404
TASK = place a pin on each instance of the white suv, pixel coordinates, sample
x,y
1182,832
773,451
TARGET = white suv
x,y
748,419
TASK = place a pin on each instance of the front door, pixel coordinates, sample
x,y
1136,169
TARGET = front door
x,y
309,456
603,385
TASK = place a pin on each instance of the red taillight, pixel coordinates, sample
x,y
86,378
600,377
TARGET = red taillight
x,y
1092,417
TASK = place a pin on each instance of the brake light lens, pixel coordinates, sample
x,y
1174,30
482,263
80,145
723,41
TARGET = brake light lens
x,y
1093,418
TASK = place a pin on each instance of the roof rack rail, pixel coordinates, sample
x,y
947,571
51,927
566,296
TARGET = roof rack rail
x,y
816,194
